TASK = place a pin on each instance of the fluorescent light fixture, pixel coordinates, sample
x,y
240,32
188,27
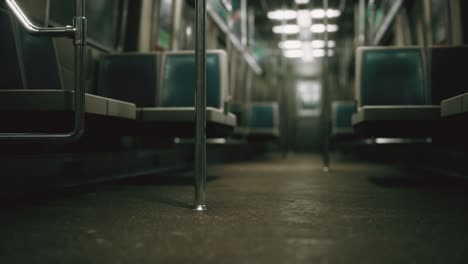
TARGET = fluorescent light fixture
x,y
290,44
320,28
318,53
293,54
302,2
299,53
288,14
320,13
286,29
320,44
282,14
297,44
304,19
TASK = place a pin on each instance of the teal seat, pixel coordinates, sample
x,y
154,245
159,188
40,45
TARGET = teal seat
x,y
178,79
11,72
390,76
264,120
131,77
262,116
393,99
28,61
42,70
342,112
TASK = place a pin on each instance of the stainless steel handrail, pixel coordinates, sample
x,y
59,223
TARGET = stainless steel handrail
x,y
200,106
31,28
78,33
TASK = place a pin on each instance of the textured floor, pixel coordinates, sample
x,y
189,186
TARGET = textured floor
x,y
269,211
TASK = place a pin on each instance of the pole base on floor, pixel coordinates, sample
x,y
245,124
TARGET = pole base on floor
x,y
200,208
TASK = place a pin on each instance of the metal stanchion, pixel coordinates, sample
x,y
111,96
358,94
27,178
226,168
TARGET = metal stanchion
x,y
325,97
200,106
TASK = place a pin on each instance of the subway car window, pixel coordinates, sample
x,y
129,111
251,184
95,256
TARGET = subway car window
x,y
233,131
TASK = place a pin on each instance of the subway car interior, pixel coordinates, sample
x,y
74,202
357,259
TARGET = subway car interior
x,y
233,131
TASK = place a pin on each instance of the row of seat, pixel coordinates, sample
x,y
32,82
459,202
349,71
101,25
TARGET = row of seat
x,y
154,90
258,120
403,92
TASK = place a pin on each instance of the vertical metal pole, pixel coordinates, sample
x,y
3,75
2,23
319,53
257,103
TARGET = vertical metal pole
x,y
200,106
428,41
80,42
325,95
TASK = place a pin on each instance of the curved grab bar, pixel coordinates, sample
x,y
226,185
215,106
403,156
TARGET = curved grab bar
x,y
78,34
33,29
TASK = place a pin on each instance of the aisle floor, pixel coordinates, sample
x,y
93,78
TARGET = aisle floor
x,y
272,210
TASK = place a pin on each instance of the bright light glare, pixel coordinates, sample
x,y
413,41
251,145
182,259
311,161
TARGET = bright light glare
x,y
284,14
304,20
318,53
290,44
320,13
299,53
320,28
320,44
302,2
292,53
288,14
297,44
286,29
307,52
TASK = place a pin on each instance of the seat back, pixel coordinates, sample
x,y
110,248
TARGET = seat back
x,y
342,112
241,113
42,70
130,77
390,76
178,79
10,63
448,69
28,61
264,115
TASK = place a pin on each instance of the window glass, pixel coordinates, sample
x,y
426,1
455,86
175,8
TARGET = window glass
x,y
308,98
165,25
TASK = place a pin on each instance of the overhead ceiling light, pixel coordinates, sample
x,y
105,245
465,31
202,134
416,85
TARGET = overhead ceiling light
x,y
297,53
288,14
297,44
286,29
320,13
290,44
320,28
318,53
320,44
302,2
282,14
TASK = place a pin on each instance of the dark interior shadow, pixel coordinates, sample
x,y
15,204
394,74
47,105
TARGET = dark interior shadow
x,y
173,202
430,182
31,198
165,180
42,197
